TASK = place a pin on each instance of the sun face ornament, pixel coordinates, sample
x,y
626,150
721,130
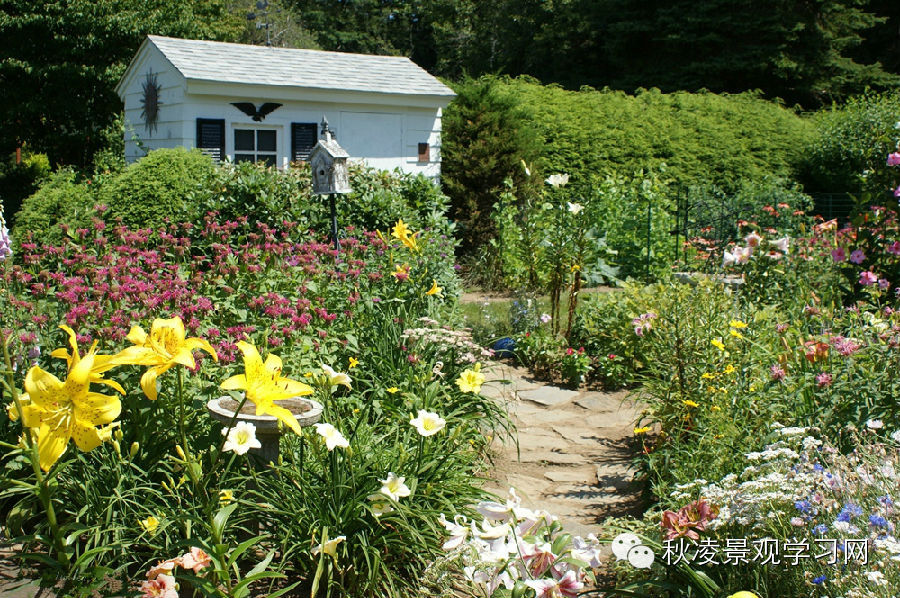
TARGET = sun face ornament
x,y
150,101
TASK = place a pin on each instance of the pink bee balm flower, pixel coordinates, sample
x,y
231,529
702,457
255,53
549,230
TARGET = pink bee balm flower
x,y
893,159
777,372
838,255
867,278
857,256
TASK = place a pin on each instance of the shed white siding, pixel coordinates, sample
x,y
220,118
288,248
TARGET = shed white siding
x,y
383,128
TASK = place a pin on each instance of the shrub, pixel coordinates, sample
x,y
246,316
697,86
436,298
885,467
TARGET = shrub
x,y
486,139
157,187
701,137
848,151
60,203
18,181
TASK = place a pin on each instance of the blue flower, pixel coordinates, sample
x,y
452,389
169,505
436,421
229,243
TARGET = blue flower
x,y
843,516
804,506
818,467
877,521
885,500
820,529
818,580
853,509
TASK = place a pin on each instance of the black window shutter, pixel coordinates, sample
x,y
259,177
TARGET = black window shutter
x,y
211,137
303,139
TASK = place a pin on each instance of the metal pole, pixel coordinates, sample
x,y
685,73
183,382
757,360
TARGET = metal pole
x,y
334,232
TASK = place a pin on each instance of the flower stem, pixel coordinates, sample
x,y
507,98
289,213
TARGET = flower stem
x,y
43,487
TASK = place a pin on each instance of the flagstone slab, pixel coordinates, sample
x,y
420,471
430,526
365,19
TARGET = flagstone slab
x,y
563,475
553,458
549,396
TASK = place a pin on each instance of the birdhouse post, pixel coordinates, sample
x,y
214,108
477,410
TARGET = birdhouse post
x,y
328,162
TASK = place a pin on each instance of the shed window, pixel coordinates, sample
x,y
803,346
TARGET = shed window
x,y
256,145
303,139
211,137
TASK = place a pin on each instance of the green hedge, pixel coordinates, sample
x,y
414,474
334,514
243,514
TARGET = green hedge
x,y
852,142
703,138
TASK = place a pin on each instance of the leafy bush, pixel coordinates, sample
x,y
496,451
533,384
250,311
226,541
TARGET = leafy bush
x,y
848,152
701,137
60,204
18,181
157,187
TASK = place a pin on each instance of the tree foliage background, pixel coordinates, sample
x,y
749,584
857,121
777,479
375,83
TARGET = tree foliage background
x,y
60,59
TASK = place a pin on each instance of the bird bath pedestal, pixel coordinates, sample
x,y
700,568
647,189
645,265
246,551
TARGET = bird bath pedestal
x,y
306,411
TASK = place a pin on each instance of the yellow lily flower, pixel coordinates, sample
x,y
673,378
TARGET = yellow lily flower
x,y
401,231
353,363
60,410
471,380
264,385
434,290
162,349
102,363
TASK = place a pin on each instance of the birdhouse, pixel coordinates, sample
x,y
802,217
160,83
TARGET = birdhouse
x,y
328,162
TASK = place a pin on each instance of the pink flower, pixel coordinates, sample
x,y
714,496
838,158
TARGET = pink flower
x,y
867,278
196,559
857,256
893,159
569,585
884,284
897,192
838,255
163,567
777,372
689,519
823,379
161,587
894,248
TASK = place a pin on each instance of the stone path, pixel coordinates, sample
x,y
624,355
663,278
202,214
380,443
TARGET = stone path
x,y
573,457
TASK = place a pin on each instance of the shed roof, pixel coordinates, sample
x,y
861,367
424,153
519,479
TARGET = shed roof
x,y
315,69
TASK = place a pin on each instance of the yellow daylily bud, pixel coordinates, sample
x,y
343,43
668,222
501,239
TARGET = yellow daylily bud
x,y
118,448
180,452
135,447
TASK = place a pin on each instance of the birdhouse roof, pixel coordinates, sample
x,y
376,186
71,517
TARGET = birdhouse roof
x,y
331,147
260,65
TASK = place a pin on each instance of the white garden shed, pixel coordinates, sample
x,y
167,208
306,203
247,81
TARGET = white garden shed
x,y
241,102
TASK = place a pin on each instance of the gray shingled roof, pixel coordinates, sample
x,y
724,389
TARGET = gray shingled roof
x,y
259,65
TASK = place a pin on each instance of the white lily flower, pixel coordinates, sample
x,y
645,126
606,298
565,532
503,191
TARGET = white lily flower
x,y
241,438
336,378
428,423
493,510
379,505
329,547
458,531
575,208
333,437
558,180
782,244
393,487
